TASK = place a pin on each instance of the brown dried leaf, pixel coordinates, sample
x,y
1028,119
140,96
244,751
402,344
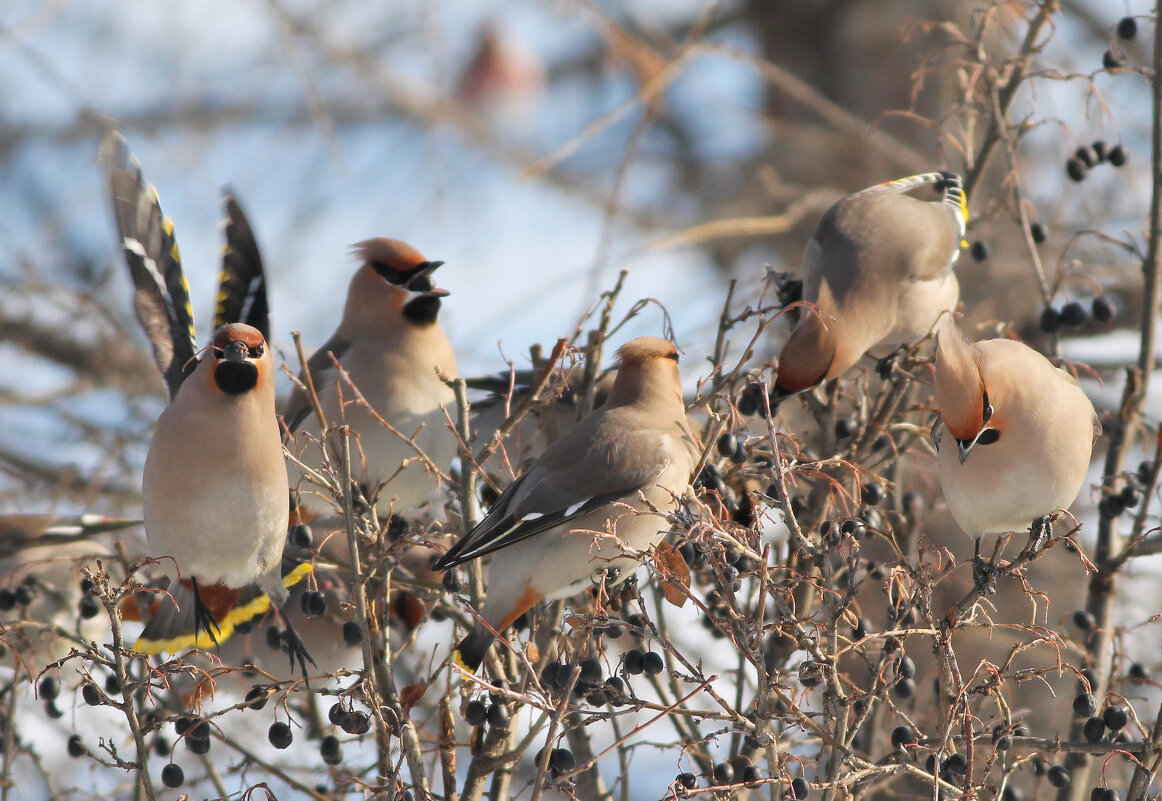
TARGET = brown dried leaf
x,y
675,574
410,696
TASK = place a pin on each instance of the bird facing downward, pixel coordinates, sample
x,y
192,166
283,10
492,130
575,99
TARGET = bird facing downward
x,y
390,343
1015,433
585,506
215,494
879,270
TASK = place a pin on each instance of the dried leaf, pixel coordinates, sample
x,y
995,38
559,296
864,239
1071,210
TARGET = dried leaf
x,y
410,696
675,574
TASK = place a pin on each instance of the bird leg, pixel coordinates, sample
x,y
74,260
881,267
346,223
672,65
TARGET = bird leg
x,y
1039,533
984,574
295,647
203,618
886,365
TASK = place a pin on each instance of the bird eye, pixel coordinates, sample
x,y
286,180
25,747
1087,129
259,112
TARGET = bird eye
x,y
257,351
988,410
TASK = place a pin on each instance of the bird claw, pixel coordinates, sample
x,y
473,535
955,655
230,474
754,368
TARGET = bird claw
x,y
1039,534
984,574
204,619
886,365
296,649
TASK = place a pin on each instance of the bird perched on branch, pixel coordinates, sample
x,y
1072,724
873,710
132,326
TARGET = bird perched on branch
x,y
595,499
1014,437
215,486
878,270
390,344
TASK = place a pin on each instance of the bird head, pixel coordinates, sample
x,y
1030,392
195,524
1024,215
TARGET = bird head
x,y
646,364
970,415
397,269
239,359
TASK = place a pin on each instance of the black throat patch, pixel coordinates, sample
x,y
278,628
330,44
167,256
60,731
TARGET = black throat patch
x,y
236,378
422,310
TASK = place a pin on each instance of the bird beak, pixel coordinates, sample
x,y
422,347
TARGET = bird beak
x,y
963,446
234,352
420,283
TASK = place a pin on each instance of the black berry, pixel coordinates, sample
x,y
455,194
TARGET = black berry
x,y
1086,156
1113,58
301,536
91,695
901,736
1050,320
723,773
979,250
497,716
475,713
330,750
280,735
1084,705
844,428
1058,776
727,444
256,697
49,689
352,633
1095,729
1115,717
1084,619
1102,310
687,780
561,760
1118,156
76,748
172,775
1075,168
800,788
1073,314
1038,232
1127,28
652,663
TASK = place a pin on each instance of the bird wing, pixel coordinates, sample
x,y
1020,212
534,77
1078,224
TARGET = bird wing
x,y
161,296
322,370
21,531
242,282
559,489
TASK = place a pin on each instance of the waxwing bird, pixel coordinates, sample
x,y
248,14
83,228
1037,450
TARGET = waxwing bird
x,y
1014,436
215,486
390,343
19,532
879,271
585,506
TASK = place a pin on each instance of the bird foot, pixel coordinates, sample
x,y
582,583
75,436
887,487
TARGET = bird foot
x,y
984,574
886,365
203,618
296,649
1039,534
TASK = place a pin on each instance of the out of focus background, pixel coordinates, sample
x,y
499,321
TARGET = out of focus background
x,y
540,148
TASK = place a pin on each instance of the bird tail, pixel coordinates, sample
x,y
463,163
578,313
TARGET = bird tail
x,y
471,650
205,616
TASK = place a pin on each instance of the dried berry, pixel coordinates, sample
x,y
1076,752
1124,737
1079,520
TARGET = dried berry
x,y
687,780
76,748
256,697
1113,58
727,444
